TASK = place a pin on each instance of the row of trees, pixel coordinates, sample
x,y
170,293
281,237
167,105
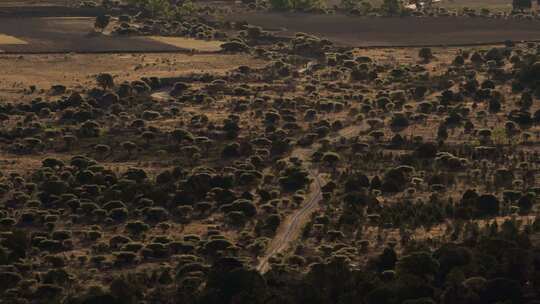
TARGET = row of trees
x,y
521,5
388,7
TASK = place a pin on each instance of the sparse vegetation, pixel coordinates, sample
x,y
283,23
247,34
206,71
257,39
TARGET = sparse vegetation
x,y
320,174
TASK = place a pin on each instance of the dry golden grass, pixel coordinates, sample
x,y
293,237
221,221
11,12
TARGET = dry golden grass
x,y
6,39
10,163
79,70
189,43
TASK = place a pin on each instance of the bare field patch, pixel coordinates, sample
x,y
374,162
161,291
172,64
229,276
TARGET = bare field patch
x,y
14,3
6,39
391,32
189,43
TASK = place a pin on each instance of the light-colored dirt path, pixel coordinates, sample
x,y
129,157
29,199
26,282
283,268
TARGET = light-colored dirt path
x,y
291,227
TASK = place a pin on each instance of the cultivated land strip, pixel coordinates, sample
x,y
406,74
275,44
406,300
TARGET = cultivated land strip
x,y
65,35
396,32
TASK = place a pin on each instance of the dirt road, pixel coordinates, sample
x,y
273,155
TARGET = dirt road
x,y
291,227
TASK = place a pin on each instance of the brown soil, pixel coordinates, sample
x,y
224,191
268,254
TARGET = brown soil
x,y
50,35
407,31
32,3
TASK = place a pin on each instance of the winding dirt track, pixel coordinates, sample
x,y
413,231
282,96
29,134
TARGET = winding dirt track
x,y
291,227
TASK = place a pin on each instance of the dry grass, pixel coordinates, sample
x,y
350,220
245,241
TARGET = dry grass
x,y
6,39
17,73
189,43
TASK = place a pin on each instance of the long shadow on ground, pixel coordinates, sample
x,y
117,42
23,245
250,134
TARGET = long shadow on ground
x,y
45,35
